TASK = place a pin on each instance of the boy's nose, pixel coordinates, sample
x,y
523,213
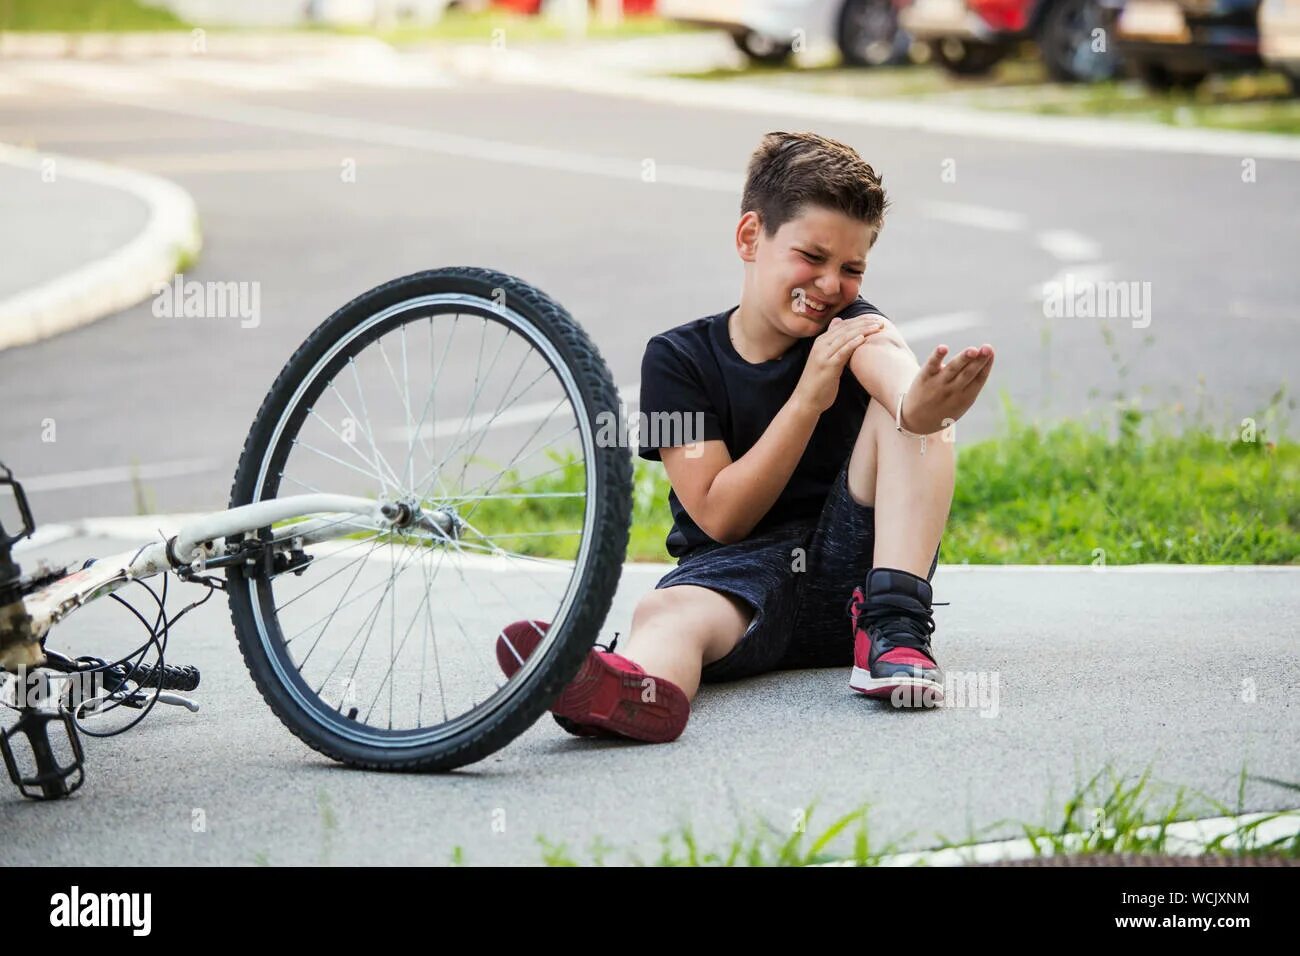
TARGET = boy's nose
x,y
827,289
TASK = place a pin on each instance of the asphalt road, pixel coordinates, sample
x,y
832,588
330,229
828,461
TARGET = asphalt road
x,y
1123,667
1070,673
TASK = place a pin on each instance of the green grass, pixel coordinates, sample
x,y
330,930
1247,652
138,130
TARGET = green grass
x,y
1111,813
85,16
1142,488
1256,102
1144,491
759,844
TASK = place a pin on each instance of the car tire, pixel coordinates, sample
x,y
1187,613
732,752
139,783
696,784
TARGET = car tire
x,y
1065,39
867,34
967,58
763,49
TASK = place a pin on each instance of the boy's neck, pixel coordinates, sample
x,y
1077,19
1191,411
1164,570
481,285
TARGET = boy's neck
x,y
754,338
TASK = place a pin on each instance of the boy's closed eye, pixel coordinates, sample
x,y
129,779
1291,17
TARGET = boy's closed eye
x,y
813,257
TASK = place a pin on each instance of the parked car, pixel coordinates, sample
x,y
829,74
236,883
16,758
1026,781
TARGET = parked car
x,y
1177,43
865,31
969,37
1279,37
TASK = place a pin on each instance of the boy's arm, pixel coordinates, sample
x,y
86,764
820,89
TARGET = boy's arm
x,y
732,497
937,394
885,366
728,498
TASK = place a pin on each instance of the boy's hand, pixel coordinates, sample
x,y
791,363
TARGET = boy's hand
x,y
831,351
940,394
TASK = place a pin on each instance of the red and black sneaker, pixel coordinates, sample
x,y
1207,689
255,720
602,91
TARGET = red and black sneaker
x,y
611,696
892,624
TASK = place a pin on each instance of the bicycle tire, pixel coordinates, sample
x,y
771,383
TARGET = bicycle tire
x,y
596,581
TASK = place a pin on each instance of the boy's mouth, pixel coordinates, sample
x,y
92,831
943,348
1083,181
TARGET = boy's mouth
x,y
816,306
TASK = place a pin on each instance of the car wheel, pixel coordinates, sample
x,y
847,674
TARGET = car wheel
x,y
967,58
1066,40
762,48
868,34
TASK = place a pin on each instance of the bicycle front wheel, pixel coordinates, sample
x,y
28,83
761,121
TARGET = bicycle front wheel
x,y
463,393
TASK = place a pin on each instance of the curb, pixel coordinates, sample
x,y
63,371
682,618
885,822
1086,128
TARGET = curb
x,y
1186,838
515,66
193,42
117,281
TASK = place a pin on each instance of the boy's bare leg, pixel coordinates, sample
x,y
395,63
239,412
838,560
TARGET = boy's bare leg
x,y
677,630
911,492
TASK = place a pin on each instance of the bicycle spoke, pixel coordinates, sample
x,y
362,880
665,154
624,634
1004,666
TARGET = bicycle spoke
x,y
332,431
484,426
370,432
543,474
431,638
352,416
374,616
513,463
333,574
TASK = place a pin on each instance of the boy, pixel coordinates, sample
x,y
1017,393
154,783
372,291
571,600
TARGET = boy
x,y
808,514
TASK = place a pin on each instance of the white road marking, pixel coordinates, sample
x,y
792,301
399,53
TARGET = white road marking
x,y
981,217
95,477
932,326
1073,276
1068,245
255,160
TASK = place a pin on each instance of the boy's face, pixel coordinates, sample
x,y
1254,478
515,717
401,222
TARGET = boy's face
x,y
809,271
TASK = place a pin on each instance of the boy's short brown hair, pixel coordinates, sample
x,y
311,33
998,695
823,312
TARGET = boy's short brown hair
x,y
791,170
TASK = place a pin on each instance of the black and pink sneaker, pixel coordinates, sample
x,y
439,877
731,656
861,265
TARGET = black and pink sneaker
x,y
610,696
892,624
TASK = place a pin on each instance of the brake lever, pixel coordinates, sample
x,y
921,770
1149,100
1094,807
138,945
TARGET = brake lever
x,y
177,700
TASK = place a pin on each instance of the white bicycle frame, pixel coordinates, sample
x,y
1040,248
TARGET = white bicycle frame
x,y
197,543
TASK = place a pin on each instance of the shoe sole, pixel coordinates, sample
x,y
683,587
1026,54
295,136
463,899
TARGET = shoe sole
x,y
603,696
916,691
522,644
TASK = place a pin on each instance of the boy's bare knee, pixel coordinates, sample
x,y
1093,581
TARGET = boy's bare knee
x,y
711,622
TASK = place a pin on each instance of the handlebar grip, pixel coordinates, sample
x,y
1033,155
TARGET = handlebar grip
x,y
174,676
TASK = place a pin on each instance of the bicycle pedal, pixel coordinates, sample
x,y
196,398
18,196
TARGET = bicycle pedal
x,y
51,779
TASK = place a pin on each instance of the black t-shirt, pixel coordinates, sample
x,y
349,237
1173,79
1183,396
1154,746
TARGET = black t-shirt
x,y
695,368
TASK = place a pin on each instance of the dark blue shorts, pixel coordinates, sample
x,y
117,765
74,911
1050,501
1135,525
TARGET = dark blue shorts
x,y
800,600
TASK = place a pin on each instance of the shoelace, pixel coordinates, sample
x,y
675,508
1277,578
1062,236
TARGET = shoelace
x,y
848,607
901,627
